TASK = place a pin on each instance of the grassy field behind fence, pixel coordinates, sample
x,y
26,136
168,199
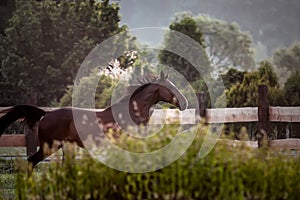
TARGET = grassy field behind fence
x,y
226,173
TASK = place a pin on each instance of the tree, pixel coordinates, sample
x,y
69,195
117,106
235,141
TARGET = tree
x,y
105,81
226,45
292,89
245,94
186,25
292,96
45,44
6,9
103,93
286,62
288,58
232,77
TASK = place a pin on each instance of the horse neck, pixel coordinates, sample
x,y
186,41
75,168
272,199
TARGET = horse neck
x,y
105,116
140,106
139,109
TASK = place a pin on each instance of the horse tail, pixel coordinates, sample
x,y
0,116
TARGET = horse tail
x,y
30,114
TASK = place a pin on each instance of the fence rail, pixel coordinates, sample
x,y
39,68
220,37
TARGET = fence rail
x,y
250,114
13,140
284,114
263,114
231,115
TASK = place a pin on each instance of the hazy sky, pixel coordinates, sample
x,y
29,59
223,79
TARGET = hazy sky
x,y
274,23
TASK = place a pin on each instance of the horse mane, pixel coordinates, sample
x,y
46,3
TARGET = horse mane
x,y
134,89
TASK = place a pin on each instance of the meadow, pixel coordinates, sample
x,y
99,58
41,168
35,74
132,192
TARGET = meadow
x,y
227,172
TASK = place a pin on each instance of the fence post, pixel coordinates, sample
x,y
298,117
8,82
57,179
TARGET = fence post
x,y
263,114
201,110
31,140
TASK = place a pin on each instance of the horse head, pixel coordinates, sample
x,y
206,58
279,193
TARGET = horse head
x,y
168,92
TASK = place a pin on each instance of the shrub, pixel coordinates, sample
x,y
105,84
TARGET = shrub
x,y
228,172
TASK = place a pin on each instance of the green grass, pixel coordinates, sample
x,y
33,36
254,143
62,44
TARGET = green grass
x,y
7,186
226,173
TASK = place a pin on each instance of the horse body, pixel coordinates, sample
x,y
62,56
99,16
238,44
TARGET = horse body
x,y
52,124
74,124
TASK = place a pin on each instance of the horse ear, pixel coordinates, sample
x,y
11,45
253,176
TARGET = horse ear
x,y
163,76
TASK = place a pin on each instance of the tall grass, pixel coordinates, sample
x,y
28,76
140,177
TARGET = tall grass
x,y
226,173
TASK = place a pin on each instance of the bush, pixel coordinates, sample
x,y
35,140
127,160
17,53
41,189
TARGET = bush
x,y
226,173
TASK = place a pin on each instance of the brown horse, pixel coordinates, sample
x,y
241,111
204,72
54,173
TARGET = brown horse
x,y
73,124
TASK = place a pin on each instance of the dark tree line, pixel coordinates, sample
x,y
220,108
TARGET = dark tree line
x,y
44,44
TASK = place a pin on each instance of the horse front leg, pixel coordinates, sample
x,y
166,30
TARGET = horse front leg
x,y
44,151
34,159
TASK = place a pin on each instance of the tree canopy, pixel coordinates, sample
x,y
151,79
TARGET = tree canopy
x,y
245,93
226,45
103,93
288,58
7,7
232,77
45,43
186,25
292,89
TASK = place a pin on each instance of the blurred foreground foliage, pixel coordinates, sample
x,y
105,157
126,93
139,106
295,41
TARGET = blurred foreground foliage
x,y
228,172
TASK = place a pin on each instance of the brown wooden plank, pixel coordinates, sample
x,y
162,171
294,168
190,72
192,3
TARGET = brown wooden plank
x,y
236,143
229,115
13,140
284,114
291,143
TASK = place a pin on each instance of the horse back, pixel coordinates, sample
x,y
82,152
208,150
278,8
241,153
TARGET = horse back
x,y
55,125
60,125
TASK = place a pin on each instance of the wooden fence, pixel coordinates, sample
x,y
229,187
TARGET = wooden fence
x,y
263,114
